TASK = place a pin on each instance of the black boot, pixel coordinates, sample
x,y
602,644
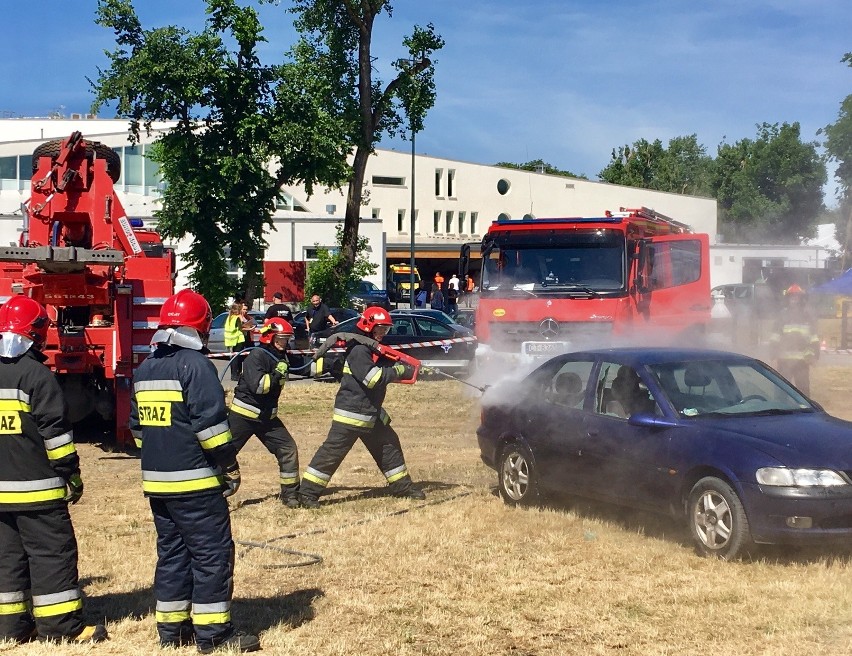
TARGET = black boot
x,y
411,492
238,641
308,501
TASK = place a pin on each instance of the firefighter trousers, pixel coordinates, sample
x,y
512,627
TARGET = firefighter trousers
x,y
274,435
195,567
381,441
797,372
38,575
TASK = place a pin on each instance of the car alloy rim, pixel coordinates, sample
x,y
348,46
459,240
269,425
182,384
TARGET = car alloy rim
x,y
713,520
516,476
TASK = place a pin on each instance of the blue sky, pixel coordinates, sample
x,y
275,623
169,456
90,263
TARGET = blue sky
x,y
560,80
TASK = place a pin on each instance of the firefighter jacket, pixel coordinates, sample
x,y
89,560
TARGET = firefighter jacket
x,y
256,396
362,388
795,337
179,419
37,453
233,334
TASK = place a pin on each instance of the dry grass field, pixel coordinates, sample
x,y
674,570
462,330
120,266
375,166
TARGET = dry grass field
x,y
460,574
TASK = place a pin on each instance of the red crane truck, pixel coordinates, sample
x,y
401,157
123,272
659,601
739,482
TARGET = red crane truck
x,y
101,276
552,285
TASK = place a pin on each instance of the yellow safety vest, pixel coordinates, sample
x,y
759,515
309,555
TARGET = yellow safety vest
x,y
233,335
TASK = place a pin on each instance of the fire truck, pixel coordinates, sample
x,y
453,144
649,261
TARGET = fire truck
x,y
552,285
102,276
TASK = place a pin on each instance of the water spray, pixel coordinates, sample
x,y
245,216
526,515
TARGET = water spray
x,y
432,370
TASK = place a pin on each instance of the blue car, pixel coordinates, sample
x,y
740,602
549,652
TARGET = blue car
x,y
717,439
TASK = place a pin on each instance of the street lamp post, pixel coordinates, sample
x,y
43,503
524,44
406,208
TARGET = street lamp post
x,y
411,283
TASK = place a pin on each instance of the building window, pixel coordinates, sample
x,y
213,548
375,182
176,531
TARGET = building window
x,y
503,217
375,212
286,201
449,222
134,167
9,172
400,220
388,180
461,223
473,217
439,178
436,222
451,178
503,186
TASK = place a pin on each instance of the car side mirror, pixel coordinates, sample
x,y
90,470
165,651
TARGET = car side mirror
x,y
647,420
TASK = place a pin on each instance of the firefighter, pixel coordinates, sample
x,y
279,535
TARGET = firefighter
x,y
794,340
254,410
179,420
358,413
39,477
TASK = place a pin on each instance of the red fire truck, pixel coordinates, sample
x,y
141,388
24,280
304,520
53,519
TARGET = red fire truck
x,y
551,285
101,276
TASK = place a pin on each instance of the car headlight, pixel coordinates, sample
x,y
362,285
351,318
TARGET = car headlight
x,y
781,476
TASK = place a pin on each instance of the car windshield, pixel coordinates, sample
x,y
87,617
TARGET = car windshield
x,y
701,388
584,262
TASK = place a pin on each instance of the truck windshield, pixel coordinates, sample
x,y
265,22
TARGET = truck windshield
x,y
585,262
405,277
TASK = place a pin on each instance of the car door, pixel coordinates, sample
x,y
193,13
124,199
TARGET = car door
x,y
624,463
554,424
445,354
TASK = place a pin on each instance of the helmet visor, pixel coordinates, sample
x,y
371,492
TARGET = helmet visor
x,y
13,345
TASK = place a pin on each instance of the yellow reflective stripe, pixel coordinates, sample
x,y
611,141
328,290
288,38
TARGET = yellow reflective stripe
x,y
32,497
397,476
346,368
172,616
211,618
138,442
216,440
61,452
289,480
353,422
244,412
164,487
13,608
151,396
315,479
58,609
265,384
14,404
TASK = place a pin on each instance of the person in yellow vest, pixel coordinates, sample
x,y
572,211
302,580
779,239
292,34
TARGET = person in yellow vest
x,y
234,338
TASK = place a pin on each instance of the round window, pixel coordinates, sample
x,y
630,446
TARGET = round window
x,y
503,186
503,217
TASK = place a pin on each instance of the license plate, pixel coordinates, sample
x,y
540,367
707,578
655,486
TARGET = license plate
x,y
544,348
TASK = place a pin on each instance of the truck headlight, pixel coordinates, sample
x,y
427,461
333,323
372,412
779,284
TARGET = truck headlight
x,y
784,477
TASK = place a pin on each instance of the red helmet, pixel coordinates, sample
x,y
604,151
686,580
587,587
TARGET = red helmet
x,y
273,327
792,290
186,308
372,317
24,316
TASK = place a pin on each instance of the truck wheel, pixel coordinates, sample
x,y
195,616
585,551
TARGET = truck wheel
x,y
717,520
516,476
52,148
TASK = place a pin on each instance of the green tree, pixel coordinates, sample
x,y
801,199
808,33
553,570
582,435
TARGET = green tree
x,y
838,145
336,37
242,130
769,188
324,275
683,167
540,166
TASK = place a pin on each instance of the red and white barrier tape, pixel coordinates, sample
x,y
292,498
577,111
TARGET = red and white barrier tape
x,y
433,342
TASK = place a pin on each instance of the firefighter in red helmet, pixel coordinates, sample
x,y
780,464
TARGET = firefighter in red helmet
x,y
39,476
254,410
179,420
358,413
794,339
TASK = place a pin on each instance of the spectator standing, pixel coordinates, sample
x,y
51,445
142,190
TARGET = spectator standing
x,y
468,290
246,326
420,299
39,477
454,283
439,280
277,310
318,316
437,298
452,302
234,338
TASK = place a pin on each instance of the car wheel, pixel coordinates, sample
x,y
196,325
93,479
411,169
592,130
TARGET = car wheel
x,y
517,476
717,520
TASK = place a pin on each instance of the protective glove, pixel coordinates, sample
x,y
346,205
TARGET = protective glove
x,y
232,479
282,367
399,368
74,487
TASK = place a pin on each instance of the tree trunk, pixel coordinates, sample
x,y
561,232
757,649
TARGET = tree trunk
x,y
351,223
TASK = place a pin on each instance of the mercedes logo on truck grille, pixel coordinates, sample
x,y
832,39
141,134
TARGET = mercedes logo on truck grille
x,y
549,328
